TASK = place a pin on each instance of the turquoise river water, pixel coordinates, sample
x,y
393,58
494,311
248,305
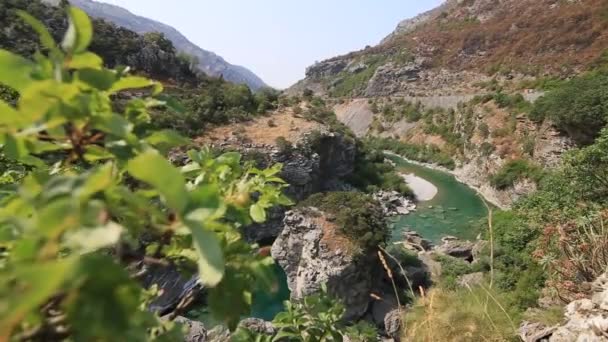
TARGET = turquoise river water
x,y
453,211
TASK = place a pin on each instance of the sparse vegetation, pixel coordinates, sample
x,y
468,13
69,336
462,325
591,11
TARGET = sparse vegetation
x,y
357,216
515,170
422,153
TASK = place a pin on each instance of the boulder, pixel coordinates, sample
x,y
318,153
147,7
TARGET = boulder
x,y
174,285
457,249
586,319
433,266
393,203
195,331
259,326
311,257
535,332
415,242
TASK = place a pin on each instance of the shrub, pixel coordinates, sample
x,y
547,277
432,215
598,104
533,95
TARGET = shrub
x,y
372,172
579,107
487,149
484,130
513,171
421,153
315,318
284,146
357,216
98,180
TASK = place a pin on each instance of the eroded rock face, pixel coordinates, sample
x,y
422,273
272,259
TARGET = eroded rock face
x,y
313,166
586,319
393,203
310,258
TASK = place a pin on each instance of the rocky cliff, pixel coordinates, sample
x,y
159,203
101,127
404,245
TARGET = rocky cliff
x,y
208,62
456,58
584,320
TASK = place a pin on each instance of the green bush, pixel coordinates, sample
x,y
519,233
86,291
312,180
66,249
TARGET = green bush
x,y
315,318
579,107
372,173
97,180
284,146
422,153
513,171
357,216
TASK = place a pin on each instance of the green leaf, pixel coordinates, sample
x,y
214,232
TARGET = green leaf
x,y
135,82
96,153
79,33
152,168
8,114
90,240
85,60
210,255
257,212
46,39
37,99
15,147
113,124
97,181
37,283
16,70
166,140
100,79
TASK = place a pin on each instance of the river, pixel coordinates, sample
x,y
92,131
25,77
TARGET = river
x,y
453,211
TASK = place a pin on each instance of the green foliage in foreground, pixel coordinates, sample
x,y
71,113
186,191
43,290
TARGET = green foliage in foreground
x,y
315,318
91,182
422,153
578,107
357,216
515,170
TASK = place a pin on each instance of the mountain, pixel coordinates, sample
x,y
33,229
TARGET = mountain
x,y
459,83
449,49
208,62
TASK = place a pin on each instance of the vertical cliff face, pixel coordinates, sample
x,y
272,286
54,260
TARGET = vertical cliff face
x,y
319,162
312,256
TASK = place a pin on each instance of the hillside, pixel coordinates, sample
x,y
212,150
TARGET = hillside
x,y
210,63
451,49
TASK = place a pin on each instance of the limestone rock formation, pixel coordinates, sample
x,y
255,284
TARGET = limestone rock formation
x,y
311,255
393,203
585,319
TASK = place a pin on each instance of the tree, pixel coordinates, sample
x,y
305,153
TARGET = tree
x,y
92,178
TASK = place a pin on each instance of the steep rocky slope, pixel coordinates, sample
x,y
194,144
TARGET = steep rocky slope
x,y
461,77
208,62
450,49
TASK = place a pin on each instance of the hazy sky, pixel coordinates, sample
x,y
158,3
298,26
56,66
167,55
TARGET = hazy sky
x,y
278,39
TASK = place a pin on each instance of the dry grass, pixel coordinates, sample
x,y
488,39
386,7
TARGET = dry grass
x,y
332,239
522,34
455,316
263,130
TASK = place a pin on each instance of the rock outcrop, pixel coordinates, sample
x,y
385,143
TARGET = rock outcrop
x,y
393,203
312,255
585,319
318,162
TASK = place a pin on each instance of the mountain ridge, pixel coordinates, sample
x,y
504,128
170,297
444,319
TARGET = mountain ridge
x,y
208,62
